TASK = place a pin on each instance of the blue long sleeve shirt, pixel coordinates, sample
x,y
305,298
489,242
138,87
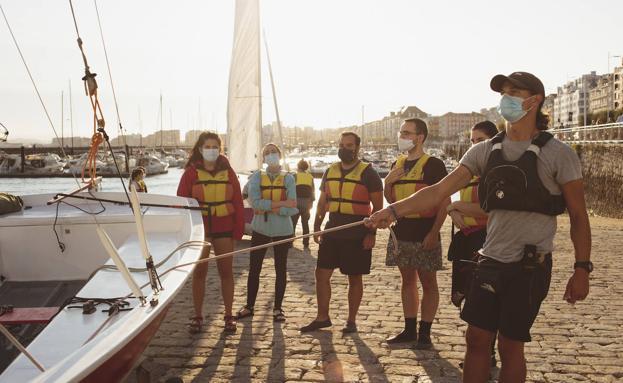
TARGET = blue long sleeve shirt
x,y
272,225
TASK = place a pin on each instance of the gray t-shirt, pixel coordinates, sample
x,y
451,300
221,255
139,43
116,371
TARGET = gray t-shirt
x,y
509,231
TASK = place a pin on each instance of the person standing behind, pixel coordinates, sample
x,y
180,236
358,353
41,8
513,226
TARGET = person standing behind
x,y
305,197
209,179
419,247
138,179
273,197
348,188
471,220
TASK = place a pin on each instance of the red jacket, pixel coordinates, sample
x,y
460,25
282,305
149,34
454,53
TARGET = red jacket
x,y
233,223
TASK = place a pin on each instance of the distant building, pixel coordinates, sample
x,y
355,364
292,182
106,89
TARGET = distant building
x,y
69,141
571,102
163,138
191,136
127,139
434,129
492,114
600,97
452,125
617,97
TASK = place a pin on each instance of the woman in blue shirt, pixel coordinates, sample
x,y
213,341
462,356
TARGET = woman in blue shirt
x,y
272,194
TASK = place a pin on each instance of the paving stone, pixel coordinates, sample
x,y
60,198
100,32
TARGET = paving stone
x,y
571,343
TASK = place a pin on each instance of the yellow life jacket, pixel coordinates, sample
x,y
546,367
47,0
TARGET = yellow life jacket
x,y
304,179
214,191
304,184
470,194
411,182
141,187
274,190
347,194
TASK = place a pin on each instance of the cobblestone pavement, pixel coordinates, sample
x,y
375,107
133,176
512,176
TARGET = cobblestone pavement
x,y
582,342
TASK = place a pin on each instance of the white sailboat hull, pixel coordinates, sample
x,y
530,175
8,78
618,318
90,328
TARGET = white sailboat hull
x,y
29,252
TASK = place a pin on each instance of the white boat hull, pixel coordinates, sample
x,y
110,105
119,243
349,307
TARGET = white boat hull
x,y
29,251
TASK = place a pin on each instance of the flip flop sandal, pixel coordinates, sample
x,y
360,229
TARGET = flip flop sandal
x,y
244,312
195,325
279,315
230,324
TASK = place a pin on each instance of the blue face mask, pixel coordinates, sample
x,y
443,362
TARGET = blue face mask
x,y
272,159
511,108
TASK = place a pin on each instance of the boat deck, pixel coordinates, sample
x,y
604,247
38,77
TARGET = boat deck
x,y
32,294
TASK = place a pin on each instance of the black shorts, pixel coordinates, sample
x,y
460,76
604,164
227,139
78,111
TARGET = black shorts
x,y
507,297
347,254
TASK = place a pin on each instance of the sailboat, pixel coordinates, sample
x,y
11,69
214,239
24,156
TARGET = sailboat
x,y
99,269
244,103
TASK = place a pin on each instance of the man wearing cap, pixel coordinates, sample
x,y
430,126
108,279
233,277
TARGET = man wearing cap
x,y
527,179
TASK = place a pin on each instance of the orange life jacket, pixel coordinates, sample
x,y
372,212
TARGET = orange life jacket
x,y
347,194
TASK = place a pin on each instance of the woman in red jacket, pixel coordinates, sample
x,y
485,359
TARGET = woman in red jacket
x,y
209,179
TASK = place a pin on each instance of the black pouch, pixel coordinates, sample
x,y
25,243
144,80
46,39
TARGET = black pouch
x,y
531,259
487,274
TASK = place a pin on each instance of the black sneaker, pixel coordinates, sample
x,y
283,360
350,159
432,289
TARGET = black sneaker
x,y
349,328
403,337
423,343
316,325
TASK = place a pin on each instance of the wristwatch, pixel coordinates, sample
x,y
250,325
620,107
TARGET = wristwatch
x,y
586,265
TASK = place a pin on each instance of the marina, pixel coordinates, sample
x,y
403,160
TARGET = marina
x,y
262,191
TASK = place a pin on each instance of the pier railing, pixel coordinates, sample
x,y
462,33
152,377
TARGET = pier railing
x,y
598,134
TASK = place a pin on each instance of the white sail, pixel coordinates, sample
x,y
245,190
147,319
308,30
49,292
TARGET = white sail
x,y
244,108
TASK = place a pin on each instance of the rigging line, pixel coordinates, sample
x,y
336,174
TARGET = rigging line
x,y
112,85
32,80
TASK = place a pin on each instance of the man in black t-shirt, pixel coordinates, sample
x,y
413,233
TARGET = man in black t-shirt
x,y
348,189
419,247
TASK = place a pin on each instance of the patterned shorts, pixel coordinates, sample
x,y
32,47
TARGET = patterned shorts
x,y
411,254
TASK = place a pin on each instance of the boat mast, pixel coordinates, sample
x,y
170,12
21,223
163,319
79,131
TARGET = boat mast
x,y
62,120
258,153
272,85
161,121
71,118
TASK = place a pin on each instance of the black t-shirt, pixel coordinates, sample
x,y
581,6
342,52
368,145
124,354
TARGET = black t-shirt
x,y
415,229
370,178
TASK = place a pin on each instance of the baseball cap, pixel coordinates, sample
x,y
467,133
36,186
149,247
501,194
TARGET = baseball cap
x,y
522,80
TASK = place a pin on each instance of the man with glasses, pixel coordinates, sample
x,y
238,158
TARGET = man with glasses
x,y
419,247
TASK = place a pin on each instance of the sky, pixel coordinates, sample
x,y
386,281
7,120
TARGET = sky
x,y
329,58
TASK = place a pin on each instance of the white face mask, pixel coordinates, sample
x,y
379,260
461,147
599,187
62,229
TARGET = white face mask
x,y
272,159
405,145
210,155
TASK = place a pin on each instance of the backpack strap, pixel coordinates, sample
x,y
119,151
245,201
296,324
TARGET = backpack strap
x,y
538,142
496,141
541,139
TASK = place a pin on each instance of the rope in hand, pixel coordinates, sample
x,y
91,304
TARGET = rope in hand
x,y
226,255
249,249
